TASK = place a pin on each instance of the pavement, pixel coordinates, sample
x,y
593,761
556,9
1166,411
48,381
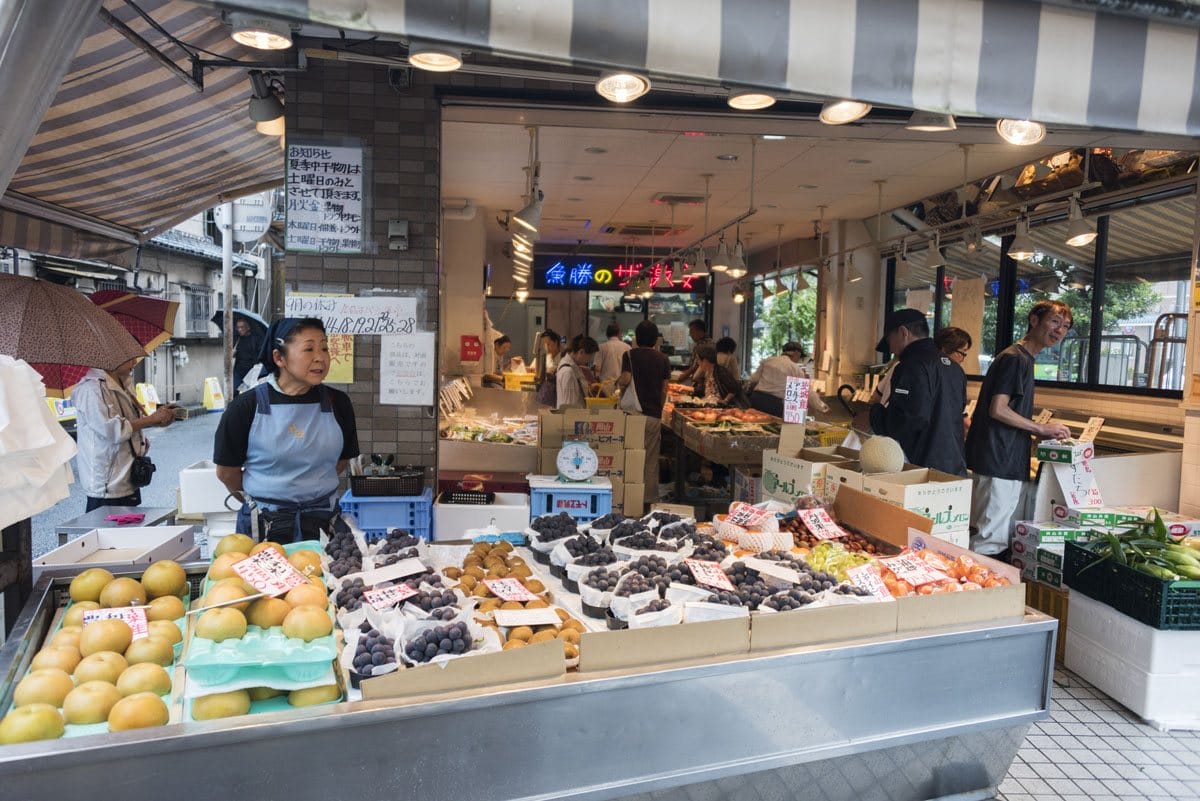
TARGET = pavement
x,y
173,448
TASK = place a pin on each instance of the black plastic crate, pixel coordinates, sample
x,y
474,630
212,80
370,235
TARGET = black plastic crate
x,y
1153,601
406,482
467,497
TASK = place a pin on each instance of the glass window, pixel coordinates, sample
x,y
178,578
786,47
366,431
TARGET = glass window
x,y
785,310
915,284
972,285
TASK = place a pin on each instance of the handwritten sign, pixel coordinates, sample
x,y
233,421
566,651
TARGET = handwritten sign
x,y
913,569
325,199
526,617
1078,484
134,617
747,516
866,577
709,574
390,314
268,572
820,524
795,399
399,570
386,597
773,569
406,369
509,590
1043,417
1094,424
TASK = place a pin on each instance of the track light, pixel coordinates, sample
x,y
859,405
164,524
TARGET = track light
x,y
780,287
840,112
1079,231
522,295
751,101
1021,132
720,262
931,121
622,87
801,281
699,262
737,265
264,104
275,127
530,217
853,276
933,256
261,33
739,294
433,57
662,282
1022,246
974,239
520,246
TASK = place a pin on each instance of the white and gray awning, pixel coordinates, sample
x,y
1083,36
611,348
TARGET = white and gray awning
x,y
991,58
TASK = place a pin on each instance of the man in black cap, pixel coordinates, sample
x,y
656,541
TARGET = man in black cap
x,y
769,381
928,394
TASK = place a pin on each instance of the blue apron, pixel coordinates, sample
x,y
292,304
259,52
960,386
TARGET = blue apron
x,y
291,463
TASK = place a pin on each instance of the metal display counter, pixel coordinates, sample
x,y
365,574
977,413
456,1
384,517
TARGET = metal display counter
x,y
937,714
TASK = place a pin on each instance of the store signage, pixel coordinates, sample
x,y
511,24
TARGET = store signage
x,y
1094,424
470,348
325,199
386,597
866,577
747,516
390,314
509,590
134,617
405,567
820,524
269,572
709,574
772,569
795,399
913,569
553,272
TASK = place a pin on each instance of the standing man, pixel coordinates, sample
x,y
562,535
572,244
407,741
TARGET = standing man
x,y
698,332
647,371
246,349
998,443
769,381
612,352
928,395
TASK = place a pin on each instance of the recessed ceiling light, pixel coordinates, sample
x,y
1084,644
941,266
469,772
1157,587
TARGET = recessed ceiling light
x,y
261,33
727,157
433,57
770,206
595,150
860,161
1021,132
840,112
773,137
583,177
751,101
622,87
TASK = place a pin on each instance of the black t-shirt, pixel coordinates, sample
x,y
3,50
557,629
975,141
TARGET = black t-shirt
x,y
233,432
993,448
650,368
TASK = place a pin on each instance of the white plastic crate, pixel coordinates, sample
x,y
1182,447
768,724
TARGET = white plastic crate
x,y
1148,649
216,526
200,492
451,520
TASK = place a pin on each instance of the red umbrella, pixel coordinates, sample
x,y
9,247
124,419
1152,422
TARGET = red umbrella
x,y
59,332
150,320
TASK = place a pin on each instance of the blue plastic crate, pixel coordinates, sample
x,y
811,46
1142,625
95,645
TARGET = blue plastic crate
x,y
413,514
582,503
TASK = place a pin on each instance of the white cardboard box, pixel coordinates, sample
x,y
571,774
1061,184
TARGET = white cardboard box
x,y
786,478
123,547
1144,647
200,492
943,498
510,512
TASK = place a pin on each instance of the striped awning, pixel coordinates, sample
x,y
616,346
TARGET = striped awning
x,y
128,149
991,58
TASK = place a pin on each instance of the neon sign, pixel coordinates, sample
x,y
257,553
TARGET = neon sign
x,y
552,272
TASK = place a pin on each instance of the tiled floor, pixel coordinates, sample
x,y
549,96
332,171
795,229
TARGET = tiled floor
x,y
1093,748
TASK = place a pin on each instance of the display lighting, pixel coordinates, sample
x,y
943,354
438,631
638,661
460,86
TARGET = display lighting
x,y
699,261
739,294
261,33
801,281
522,295
840,112
737,265
780,287
720,262
273,127
1080,232
933,256
1022,246
520,247
265,106
751,101
622,87
662,281
931,121
434,57
853,276
530,217
1021,132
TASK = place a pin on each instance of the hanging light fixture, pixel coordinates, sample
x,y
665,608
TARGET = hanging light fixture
x,y
699,262
737,264
840,112
801,281
275,127
749,100
780,286
522,295
519,246
265,105
931,121
974,239
622,87
720,262
1022,246
530,217
739,294
933,256
433,57
768,291
261,33
1021,132
1080,232
853,276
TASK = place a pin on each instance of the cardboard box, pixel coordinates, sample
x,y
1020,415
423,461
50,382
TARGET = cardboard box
x,y
943,498
683,510
825,624
201,492
842,474
1035,533
1178,525
635,466
1106,516
732,449
613,462
486,456
635,431
629,498
482,481
123,547
1051,556
551,426
614,650
599,427
786,478
956,608
1049,576
1064,453
534,663
747,484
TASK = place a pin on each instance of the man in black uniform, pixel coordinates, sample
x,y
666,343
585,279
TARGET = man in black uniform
x,y
929,392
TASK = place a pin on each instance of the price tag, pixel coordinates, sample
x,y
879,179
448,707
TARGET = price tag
x,y
269,573
387,597
509,590
913,569
709,574
1043,417
772,569
820,524
134,617
795,399
1094,424
526,617
403,568
1078,484
866,577
747,516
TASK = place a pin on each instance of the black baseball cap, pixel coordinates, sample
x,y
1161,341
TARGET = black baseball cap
x,y
897,319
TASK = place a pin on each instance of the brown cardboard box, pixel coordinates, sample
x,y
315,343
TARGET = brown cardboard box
x,y
612,650
635,466
551,426
942,497
629,498
727,449
635,432
533,663
600,427
486,456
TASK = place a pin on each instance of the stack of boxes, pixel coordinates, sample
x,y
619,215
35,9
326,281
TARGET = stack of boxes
x,y
619,440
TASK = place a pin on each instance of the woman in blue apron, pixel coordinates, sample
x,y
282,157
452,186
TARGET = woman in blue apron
x,y
281,447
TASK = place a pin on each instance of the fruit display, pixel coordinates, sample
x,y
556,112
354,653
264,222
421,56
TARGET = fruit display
x,y
568,632
634,584
467,427
610,520
551,528
661,519
626,529
581,545
350,596
709,549
602,580
788,600
647,541
601,556
428,601
660,605
438,641
345,554
1146,546
834,558
373,650
652,568
963,573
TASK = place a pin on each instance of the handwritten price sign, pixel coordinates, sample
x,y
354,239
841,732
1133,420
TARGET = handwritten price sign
x,y
269,573
709,574
912,569
1078,484
747,516
386,597
795,399
509,590
134,617
820,524
866,577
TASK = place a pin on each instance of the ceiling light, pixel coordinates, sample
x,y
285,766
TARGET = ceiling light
x,y
1022,246
1079,231
520,247
275,127
780,287
933,258
931,121
525,238
801,281
699,262
840,112
737,265
583,177
433,57
720,262
854,276
662,282
739,294
622,87
773,137
751,101
1047,284
522,295
530,217
1021,132
264,103
261,33
727,157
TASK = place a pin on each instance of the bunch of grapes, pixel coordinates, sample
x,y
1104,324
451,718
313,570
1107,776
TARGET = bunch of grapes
x,y
654,606
583,544
350,597
428,601
646,541
626,529
374,649
604,556
602,580
787,601
608,521
452,639
554,527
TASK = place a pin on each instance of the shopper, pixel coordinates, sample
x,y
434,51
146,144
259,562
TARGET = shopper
x,y
612,353
589,374
727,356
281,448
645,373
713,383
769,381
998,443
698,332
246,347
500,348
928,394
572,383
109,424
955,343
545,374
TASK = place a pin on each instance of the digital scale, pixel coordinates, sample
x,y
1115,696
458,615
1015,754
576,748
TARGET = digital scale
x,y
575,490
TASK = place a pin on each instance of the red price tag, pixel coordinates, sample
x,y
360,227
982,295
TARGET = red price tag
x,y
795,399
913,569
747,516
509,590
269,573
134,617
387,597
820,524
866,577
709,574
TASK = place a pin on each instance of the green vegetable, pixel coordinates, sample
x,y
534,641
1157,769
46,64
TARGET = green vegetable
x,y
1157,571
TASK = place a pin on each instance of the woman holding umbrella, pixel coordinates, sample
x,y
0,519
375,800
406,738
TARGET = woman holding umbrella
x,y
281,447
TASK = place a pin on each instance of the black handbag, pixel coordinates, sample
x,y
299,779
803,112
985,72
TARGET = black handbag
x,y
142,471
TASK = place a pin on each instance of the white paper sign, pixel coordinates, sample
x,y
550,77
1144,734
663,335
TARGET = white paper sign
x,y
1094,424
1078,483
772,569
509,590
866,577
387,597
134,617
913,569
405,567
268,572
820,524
709,574
747,516
406,369
350,315
325,199
795,399
526,617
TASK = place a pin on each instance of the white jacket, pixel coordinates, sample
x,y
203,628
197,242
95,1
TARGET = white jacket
x,y
104,409
34,450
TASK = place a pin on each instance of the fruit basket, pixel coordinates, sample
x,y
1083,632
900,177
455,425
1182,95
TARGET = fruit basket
x,y
1153,601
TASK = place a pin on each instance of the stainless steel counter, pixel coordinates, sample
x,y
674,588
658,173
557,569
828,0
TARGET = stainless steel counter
x,y
935,715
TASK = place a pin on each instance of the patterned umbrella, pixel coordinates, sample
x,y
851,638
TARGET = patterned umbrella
x,y
59,332
150,320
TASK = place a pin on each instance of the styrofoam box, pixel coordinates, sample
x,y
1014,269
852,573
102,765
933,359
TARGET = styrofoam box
x,y
1144,647
216,526
122,547
510,512
200,492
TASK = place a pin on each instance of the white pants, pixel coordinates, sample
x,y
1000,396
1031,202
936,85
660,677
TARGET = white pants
x,y
995,503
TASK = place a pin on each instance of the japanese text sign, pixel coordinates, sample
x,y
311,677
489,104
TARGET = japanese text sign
x,y
509,590
913,569
325,199
709,574
795,399
386,597
268,572
820,524
866,577
134,617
